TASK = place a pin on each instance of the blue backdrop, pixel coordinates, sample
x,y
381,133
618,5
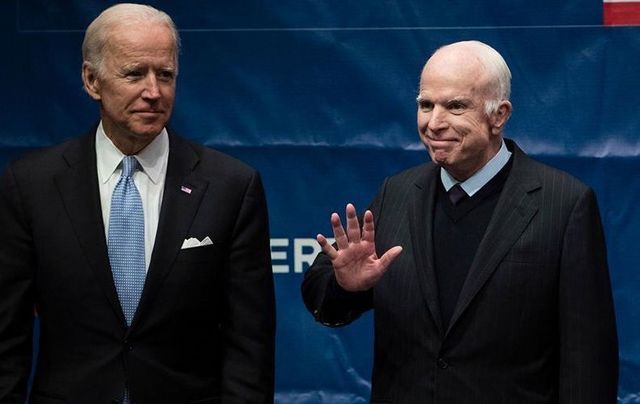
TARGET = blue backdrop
x,y
320,97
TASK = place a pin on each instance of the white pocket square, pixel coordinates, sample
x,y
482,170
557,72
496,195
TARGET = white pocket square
x,y
194,242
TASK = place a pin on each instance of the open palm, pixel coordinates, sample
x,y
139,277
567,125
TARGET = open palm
x,y
356,265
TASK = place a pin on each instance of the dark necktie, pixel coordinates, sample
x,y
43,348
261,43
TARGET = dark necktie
x,y
456,194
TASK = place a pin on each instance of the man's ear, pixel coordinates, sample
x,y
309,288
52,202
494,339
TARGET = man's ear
x,y
500,117
90,81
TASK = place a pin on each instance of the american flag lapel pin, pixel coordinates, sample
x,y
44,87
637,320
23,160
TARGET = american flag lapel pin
x,y
185,189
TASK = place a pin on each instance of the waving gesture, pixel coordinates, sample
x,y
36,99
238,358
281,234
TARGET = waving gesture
x,y
355,262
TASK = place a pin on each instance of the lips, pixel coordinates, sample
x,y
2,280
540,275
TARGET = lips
x,y
147,114
436,143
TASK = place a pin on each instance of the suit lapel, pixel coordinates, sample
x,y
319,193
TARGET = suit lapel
x,y
183,192
81,197
421,229
512,214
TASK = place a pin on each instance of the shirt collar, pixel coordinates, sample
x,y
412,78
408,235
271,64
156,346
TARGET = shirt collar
x,y
152,158
478,180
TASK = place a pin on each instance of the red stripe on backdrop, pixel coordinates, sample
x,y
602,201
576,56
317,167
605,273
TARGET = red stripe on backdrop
x,y
624,13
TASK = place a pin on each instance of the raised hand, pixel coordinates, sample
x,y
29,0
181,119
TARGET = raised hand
x,y
355,262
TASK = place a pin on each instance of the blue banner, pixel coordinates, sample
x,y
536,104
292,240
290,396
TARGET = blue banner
x,y
319,96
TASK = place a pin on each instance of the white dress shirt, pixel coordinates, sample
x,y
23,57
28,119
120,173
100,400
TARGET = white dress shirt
x,y
149,180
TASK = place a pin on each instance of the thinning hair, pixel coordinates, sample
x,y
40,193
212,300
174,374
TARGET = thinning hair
x,y
499,85
97,34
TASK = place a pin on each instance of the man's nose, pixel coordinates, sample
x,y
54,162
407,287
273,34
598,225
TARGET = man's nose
x,y
151,89
438,119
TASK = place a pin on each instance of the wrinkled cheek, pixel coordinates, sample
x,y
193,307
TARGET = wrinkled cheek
x,y
117,114
430,151
421,132
437,154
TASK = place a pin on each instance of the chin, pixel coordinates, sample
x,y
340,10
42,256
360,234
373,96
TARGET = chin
x,y
147,131
440,157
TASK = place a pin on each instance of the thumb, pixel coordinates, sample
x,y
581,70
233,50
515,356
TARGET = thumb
x,y
388,257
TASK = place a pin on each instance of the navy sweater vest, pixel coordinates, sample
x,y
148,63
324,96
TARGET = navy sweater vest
x,y
457,232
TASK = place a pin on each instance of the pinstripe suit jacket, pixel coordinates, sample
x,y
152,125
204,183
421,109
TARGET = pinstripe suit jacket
x,y
534,322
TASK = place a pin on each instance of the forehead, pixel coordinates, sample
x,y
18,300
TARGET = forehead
x,y
139,41
454,73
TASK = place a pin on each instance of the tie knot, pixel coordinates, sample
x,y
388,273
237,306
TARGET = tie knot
x,y
129,166
456,194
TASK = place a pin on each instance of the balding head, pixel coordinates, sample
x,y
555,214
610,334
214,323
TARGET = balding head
x,y
474,58
98,33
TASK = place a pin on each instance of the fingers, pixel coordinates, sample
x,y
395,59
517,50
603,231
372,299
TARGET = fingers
x,y
353,227
368,233
351,235
326,247
338,231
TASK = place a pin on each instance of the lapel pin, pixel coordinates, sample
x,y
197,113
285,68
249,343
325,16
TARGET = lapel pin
x,y
186,190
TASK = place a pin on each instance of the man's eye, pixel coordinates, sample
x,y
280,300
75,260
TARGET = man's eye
x,y
425,105
457,107
133,74
166,75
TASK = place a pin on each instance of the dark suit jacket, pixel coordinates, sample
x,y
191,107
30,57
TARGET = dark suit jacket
x,y
534,322
205,325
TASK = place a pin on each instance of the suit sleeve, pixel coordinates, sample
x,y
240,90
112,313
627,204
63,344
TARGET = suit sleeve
x,y
16,296
588,339
249,305
324,298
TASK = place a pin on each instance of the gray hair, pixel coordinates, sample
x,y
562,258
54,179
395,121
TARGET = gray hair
x,y
496,67
96,36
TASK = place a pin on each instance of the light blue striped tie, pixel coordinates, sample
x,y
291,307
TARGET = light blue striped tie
x,y
126,239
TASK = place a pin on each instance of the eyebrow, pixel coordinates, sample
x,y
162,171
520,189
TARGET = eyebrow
x,y
136,65
460,98
463,99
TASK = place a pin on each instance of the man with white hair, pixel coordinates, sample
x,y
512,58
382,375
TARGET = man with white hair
x,y
145,256
486,270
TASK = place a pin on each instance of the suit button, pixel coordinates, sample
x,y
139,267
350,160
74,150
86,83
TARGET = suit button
x,y
442,364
